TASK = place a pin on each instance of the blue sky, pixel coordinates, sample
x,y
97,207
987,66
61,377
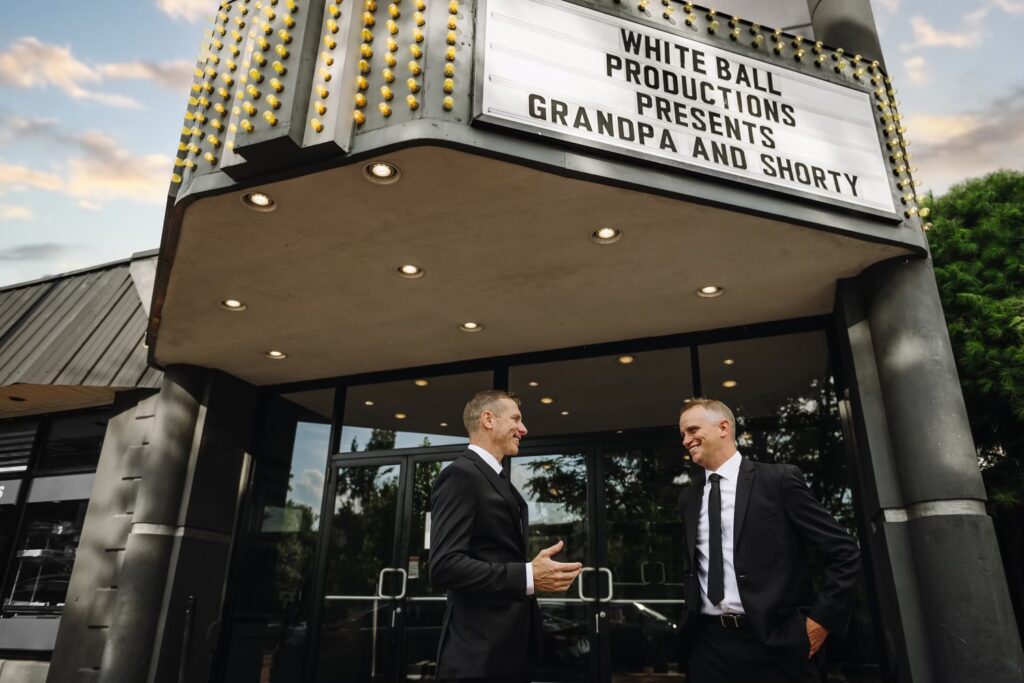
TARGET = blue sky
x,y
92,96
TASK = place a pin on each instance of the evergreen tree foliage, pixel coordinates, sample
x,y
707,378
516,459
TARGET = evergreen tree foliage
x,y
977,243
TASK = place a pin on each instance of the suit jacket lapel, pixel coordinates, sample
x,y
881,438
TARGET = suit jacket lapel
x,y
501,486
743,485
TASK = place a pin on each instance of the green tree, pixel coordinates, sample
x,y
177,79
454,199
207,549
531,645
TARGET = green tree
x,y
977,242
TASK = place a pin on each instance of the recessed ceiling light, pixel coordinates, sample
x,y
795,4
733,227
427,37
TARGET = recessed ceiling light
x,y
618,431
400,416
547,400
627,360
471,327
710,291
565,412
729,383
444,424
411,272
233,305
276,355
606,235
367,403
421,382
533,383
728,361
381,172
258,201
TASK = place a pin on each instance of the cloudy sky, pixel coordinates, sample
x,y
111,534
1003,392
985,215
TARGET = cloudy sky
x,y
92,96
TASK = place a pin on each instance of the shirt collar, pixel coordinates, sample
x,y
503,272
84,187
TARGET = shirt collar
x,y
729,469
487,457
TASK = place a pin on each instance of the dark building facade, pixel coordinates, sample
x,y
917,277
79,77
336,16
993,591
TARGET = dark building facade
x,y
377,210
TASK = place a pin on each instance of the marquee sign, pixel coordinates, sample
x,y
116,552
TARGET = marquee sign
x,y
559,69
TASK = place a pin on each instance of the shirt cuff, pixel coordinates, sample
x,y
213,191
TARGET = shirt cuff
x,y
529,578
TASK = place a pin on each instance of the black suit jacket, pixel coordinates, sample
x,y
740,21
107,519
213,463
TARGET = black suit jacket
x,y
776,519
478,555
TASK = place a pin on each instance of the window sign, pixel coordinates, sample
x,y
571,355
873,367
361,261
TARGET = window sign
x,y
595,79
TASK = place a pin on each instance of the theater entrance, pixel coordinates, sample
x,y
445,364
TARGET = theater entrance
x,y
330,574
614,505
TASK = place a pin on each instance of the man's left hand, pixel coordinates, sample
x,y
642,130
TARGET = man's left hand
x,y
816,634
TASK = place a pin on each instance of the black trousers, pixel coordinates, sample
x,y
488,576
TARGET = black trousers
x,y
723,654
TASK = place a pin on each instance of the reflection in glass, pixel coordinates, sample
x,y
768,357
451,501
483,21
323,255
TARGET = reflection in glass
x,y
604,393
276,551
412,413
74,441
645,554
787,412
426,605
356,628
43,558
555,490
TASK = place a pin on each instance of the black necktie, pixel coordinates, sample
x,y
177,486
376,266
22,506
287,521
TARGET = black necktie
x,y
716,570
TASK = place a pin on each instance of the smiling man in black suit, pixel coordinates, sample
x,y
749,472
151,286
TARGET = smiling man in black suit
x,y
492,625
752,615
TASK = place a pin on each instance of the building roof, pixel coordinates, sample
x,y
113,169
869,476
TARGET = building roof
x,y
72,340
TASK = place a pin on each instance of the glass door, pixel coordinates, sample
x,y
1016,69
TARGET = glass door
x,y
641,557
557,486
614,507
364,585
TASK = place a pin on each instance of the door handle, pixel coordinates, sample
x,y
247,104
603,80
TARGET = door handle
x,y
607,571
579,584
380,582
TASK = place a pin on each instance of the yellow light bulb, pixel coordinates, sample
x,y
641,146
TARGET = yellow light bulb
x,y
273,102
414,68
359,117
360,99
269,117
389,76
384,109
322,92
413,103
449,85
386,93
448,103
320,108
317,125
331,43
412,85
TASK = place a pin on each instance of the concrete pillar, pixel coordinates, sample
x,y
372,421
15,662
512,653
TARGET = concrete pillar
x,y
170,585
848,24
941,582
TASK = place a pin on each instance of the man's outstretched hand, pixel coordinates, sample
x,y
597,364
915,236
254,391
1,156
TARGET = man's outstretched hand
x,y
551,576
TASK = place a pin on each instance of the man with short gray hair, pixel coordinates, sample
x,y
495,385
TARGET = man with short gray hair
x,y
492,625
752,615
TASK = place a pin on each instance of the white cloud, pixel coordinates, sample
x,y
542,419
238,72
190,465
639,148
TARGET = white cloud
x,y
12,212
31,63
926,35
175,75
86,205
187,10
915,70
950,149
19,178
96,170
1009,6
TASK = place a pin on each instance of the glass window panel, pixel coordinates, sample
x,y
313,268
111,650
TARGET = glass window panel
x,y
43,558
783,395
409,413
623,391
74,441
16,440
277,548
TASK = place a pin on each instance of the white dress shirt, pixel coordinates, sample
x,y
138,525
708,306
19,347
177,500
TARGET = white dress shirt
x,y
496,466
731,604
